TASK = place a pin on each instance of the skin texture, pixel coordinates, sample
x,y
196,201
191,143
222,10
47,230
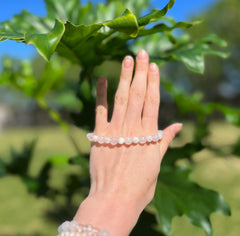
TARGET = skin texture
x,y
123,178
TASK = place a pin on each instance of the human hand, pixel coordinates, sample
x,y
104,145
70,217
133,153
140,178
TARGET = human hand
x,y
124,174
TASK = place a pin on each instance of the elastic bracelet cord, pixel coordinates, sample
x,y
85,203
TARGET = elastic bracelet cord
x,y
127,141
72,228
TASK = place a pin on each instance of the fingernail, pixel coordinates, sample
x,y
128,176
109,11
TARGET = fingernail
x,y
128,61
142,54
153,67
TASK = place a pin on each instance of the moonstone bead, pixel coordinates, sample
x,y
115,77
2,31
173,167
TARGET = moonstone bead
x,y
155,137
107,140
103,233
121,140
128,141
160,134
65,226
100,139
95,137
142,139
149,139
114,141
90,136
135,140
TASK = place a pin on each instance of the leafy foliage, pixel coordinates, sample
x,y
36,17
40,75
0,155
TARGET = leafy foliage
x,y
88,36
177,195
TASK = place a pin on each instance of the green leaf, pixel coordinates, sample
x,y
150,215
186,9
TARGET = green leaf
x,y
82,160
127,23
176,195
20,160
192,55
46,44
76,42
155,14
165,28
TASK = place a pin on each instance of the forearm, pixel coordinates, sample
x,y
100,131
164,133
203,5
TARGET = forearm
x,y
109,213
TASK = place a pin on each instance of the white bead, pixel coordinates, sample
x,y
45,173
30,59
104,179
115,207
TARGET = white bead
x,y
135,140
100,139
90,136
128,141
155,137
121,140
106,140
103,233
149,139
65,226
142,139
114,141
160,134
95,137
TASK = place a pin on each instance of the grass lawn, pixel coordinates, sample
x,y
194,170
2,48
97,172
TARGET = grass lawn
x,y
23,214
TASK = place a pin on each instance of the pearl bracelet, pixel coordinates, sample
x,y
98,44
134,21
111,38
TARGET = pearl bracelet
x,y
128,141
74,229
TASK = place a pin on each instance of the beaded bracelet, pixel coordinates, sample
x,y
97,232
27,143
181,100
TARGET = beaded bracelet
x,y
128,141
72,228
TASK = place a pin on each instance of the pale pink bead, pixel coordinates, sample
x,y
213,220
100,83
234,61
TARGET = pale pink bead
x,y
90,136
100,139
149,139
95,137
142,139
103,233
155,137
135,140
107,140
114,141
160,134
65,226
89,227
128,141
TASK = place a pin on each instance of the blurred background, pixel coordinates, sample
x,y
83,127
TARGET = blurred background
x,y
22,120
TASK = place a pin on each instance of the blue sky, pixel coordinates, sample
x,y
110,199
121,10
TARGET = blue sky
x,y
182,10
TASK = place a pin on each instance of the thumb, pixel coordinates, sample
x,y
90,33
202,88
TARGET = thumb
x,y
169,134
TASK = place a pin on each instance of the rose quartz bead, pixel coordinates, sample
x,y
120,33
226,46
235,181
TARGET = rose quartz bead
x,y
106,140
100,139
103,233
128,141
95,137
155,137
160,134
90,136
149,139
135,140
114,141
142,139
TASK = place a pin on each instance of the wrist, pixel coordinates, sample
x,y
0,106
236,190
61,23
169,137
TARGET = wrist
x,y
118,216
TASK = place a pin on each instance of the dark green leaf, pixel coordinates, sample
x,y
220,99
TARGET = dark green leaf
x,y
176,195
21,160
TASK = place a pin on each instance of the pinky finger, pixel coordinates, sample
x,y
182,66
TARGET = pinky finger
x,y
169,134
101,106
